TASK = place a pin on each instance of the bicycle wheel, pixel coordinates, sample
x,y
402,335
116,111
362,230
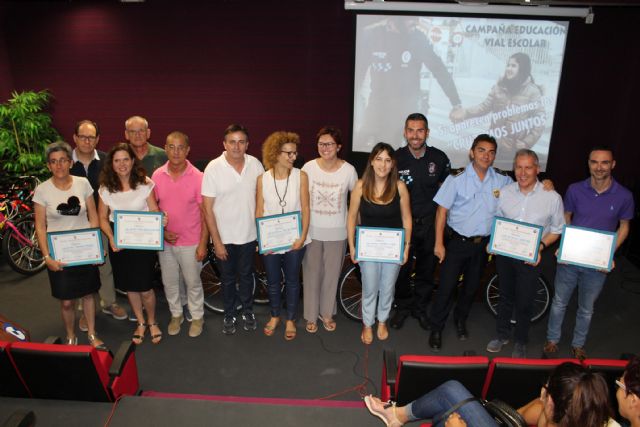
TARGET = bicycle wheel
x,y
350,293
23,257
212,286
541,301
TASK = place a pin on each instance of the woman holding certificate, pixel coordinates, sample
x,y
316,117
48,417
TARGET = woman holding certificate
x,y
330,180
65,203
125,186
283,189
381,200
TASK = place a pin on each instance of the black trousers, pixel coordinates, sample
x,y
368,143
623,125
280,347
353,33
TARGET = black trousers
x,y
462,256
422,242
518,283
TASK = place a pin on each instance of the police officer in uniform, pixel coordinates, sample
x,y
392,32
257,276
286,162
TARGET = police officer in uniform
x,y
467,203
423,169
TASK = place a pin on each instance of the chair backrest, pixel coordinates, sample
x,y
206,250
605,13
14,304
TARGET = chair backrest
x,y
11,384
53,371
518,381
420,374
611,369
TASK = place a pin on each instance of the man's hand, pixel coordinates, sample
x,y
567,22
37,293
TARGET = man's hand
x,y
455,420
439,251
220,250
201,252
171,237
457,114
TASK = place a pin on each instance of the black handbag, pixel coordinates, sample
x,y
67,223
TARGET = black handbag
x,y
504,414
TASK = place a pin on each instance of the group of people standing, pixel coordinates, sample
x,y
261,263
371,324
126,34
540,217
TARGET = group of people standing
x,y
446,218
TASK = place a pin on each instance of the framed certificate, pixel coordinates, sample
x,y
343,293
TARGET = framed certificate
x,y
278,232
138,230
76,247
587,247
379,244
515,239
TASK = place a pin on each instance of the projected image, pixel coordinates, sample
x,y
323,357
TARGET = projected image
x,y
467,75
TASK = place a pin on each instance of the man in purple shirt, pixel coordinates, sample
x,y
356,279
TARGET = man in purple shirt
x,y
598,202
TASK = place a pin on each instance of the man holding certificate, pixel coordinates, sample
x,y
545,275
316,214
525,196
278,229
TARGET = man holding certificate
x,y
525,201
597,203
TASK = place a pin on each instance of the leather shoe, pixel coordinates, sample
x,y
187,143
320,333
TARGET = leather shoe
x,y
461,330
398,319
435,341
424,321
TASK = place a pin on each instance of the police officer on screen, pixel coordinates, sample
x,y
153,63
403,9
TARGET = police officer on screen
x,y
423,169
467,202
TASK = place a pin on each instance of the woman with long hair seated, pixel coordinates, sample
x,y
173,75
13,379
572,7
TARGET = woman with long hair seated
x,y
573,396
628,393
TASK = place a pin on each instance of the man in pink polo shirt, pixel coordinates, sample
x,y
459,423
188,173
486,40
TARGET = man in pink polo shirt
x,y
177,190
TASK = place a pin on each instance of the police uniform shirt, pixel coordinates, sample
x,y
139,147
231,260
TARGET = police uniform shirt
x,y
471,203
537,207
423,177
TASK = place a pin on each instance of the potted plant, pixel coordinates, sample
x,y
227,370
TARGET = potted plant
x,y
25,131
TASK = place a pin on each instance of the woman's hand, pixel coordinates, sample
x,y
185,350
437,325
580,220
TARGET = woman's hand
x,y
165,218
112,243
52,264
297,244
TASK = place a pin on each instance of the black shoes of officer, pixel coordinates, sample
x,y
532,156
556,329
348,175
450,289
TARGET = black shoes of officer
x,y
398,318
461,330
435,341
425,324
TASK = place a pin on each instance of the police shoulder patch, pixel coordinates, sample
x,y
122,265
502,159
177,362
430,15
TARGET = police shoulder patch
x,y
456,172
500,171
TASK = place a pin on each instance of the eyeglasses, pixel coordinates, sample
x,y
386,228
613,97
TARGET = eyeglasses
x,y
136,131
179,148
61,161
326,144
86,138
290,153
620,384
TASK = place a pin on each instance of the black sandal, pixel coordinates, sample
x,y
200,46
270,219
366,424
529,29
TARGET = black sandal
x,y
137,339
157,337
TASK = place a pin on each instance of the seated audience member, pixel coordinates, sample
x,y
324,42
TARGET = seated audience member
x,y
628,393
573,396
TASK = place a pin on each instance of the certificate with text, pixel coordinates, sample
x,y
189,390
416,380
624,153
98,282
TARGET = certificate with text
x,y
515,239
76,247
278,232
587,247
379,244
138,230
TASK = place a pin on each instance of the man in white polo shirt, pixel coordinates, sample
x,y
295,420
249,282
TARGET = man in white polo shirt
x,y
229,191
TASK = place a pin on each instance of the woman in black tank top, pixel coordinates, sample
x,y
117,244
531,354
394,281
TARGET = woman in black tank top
x,y
379,199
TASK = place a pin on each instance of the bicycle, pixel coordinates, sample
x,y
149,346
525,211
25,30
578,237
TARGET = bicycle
x,y
20,245
349,295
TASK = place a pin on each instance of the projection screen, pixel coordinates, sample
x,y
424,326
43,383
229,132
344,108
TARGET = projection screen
x,y
467,75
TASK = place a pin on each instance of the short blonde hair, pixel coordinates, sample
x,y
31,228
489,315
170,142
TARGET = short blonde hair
x,y
273,145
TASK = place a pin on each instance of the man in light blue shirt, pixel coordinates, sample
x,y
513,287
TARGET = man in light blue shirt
x,y
467,202
524,200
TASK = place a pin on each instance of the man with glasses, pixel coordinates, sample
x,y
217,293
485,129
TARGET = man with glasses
x,y
177,190
229,190
87,163
137,133
423,169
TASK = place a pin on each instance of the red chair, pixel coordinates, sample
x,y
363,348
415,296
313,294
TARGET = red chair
x,y
411,376
53,371
518,381
11,384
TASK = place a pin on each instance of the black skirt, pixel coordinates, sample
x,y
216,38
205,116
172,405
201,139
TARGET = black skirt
x,y
133,269
74,282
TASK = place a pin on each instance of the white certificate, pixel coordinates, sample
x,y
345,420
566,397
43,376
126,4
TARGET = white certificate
x,y
138,230
587,247
278,232
379,244
76,247
515,239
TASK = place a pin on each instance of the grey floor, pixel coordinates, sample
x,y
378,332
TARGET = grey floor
x,y
335,365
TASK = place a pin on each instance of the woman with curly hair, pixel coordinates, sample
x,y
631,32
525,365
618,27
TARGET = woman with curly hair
x,y
125,186
379,199
283,189
573,396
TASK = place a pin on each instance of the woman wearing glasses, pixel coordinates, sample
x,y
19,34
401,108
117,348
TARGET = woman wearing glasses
x,y
125,186
283,189
64,203
628,393
573,396
330,181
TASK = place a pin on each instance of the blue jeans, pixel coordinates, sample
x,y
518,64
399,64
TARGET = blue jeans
x,y
238,266
589,283
289,263
378,283
440,399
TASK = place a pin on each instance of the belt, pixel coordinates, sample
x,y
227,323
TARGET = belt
x,y
472,239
